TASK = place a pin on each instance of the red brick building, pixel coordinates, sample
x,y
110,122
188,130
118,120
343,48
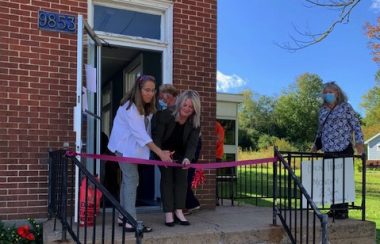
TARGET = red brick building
x,y
175,40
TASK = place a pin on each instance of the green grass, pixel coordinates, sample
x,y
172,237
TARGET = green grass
x,y
372,199
258,192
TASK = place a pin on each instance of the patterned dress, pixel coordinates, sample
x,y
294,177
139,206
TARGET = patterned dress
x,y
338,129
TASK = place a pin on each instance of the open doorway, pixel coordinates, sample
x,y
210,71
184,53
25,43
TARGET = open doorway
x,y
119,69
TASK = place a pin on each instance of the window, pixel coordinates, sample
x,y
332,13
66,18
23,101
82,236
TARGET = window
x,y
127,22
229,131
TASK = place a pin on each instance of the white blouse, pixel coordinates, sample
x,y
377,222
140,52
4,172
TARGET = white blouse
x,y
129,135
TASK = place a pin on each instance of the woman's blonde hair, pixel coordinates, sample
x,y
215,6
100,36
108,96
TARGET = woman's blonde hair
x,y
195,99
134,96
341,98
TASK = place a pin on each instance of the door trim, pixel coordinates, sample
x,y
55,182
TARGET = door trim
x,y
165,45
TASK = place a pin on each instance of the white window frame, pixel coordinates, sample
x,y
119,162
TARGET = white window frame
x,y
157,7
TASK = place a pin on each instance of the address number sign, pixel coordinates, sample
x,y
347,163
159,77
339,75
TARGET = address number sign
x,y
56,22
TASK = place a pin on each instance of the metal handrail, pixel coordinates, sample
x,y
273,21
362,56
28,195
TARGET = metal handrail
x,y
295,184
61,207
311,206
363,159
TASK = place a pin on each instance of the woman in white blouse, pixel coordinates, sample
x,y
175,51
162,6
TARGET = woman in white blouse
x,y
130,137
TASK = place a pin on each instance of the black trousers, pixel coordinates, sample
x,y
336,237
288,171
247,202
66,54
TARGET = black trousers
x,y
173,188
191,200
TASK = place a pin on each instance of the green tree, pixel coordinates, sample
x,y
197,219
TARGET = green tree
x,y
246,117
264,121
371,103
248,139
255,119
296,111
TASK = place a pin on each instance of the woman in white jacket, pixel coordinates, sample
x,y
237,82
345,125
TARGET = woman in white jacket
x,y
130,137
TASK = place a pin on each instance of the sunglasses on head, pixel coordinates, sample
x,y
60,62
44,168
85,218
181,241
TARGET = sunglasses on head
x,y
144,78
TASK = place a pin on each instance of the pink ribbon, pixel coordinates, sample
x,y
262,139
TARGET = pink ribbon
x,y
211,165
199,177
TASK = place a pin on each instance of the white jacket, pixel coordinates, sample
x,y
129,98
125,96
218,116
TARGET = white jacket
x,y
128,135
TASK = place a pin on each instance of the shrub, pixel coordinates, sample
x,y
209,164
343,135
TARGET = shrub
x,y
25,234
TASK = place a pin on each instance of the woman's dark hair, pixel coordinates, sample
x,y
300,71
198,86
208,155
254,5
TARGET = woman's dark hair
x,y
134,96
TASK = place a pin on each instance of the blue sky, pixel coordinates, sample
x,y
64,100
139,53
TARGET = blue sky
x,y
248,58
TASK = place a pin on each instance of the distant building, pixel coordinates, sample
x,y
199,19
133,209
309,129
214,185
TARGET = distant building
x,y
373,148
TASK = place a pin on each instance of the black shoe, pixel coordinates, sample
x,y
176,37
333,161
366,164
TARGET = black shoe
x,y
194,208
185,222
331,213
341,216
120,221
170,224
186,212
147,229
129,229
133,229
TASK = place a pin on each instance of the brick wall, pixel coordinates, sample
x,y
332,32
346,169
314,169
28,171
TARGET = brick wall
x,y
37,83
194,53
37,93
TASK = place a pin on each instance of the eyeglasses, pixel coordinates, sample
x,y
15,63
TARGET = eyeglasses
x,y
148,90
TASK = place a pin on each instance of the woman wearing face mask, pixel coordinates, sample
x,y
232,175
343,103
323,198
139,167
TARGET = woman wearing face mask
x,y
337,124
167,96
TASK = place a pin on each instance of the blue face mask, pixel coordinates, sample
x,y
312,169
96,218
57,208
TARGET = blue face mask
x,y
162,104
329,98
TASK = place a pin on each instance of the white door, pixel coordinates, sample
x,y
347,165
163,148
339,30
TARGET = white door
x,y
87,120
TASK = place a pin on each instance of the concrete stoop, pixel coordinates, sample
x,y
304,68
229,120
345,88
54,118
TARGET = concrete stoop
x,y
224,225
352,231
267,235
348,231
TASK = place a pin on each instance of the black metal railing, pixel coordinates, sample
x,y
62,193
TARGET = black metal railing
x,y
94,223
281,184
308,183
252,184
324,174
293,205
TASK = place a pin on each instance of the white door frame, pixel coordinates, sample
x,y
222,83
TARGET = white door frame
x,y
94,45
164,8
165,44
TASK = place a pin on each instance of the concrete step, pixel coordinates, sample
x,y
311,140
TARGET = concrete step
x,y
232,224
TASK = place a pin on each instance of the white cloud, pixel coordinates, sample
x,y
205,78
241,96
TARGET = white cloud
x,y
375,5
227,82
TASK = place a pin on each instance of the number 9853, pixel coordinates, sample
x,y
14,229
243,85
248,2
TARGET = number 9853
x,y
56,22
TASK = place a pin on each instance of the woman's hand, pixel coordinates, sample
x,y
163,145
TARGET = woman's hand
x,y
185,162
166,156
359,148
